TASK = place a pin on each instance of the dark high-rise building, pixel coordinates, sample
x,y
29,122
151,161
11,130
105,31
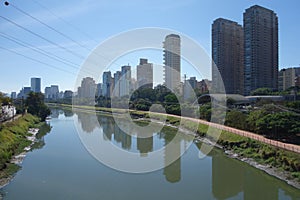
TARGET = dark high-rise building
x,y
125,80
172,61
36,84
117,84
107,84
261,49
228,56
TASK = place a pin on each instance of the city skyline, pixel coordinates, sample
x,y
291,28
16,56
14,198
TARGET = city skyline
x,y
85,14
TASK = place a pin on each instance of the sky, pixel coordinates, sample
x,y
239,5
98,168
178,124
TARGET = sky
x,y
83,25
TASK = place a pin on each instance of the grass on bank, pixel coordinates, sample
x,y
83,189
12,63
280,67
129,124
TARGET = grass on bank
x,y
13,140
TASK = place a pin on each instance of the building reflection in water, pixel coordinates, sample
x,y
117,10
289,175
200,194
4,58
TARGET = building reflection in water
x,y
107,124
231,178
243,179
244,182
55,113
145,145
122,137
172,171
111,132
88,121
68,113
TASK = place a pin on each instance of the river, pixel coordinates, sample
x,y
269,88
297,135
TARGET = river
x,y
64,169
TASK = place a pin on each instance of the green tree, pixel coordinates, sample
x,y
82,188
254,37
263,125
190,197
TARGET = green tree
x,y
4,100
280,124
236,119
262,91
36,106
143,104
205,111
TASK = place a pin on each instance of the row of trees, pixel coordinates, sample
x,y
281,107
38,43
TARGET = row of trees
x,y
146,98
266,119
269,121
268,91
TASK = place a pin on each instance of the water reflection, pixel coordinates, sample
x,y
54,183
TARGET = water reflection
x,y
68,113
172,172
55,112
40,142
244,180
111,132
229,177
88,121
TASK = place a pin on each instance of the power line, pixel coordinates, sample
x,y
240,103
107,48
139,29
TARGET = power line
x,y
59,32
50,27
43,38
55,30
39,50
36,60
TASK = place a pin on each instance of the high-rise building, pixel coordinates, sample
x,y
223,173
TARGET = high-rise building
x,y
261,49
189,87
47,92
36,84
117,84
52,92
24,92
13,95
125,80
172,61
288,78
87,88
144,74
99,90
107,83
228,56
68,94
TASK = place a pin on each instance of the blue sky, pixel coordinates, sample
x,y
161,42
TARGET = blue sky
x,y
97,20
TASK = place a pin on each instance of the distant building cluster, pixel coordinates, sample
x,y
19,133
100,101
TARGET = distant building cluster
x,y
121,83
35,86
246,56
51,92
191,85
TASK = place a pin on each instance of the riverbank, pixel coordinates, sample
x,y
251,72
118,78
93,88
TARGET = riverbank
x,y
16,138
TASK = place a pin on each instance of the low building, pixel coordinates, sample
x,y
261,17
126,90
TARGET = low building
x,y
289,77
7,112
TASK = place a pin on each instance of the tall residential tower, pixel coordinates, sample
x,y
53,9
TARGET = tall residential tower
x,y
172,61
261,49
228,56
